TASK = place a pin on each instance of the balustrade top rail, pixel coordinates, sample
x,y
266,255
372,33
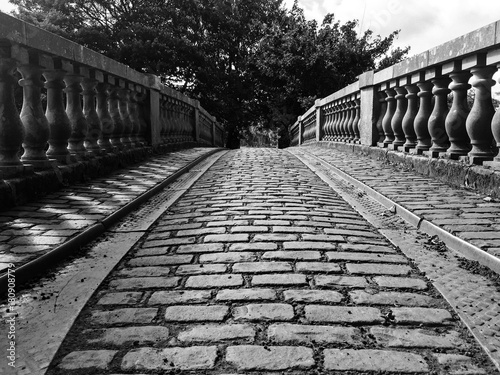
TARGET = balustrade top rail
x,y
122,108
405,106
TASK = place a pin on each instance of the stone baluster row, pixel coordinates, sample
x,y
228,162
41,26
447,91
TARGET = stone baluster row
x,y
415,114
109,120
342,120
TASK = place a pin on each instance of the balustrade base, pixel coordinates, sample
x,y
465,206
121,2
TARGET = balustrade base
x,y
433,154
13,171
408,149
39,165
417,151
476,160
494,164
383,145
394,147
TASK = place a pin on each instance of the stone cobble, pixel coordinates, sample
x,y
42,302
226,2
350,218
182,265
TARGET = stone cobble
x,y
468,215
273,281
30,231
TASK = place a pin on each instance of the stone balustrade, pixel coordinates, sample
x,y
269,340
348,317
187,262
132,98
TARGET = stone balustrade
x,y
78,105
420,105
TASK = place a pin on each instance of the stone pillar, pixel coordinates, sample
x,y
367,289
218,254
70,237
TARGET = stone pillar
x,y
301,129
397,119
422,119
123,100
197,123
437,129
368,109
382,111
350,120
77,121
89,110
478,123
143,126
355,124
409,118
11,127
457,116
154,108
59,125
36,126
387,120
107,125
320,120
132,108
114,112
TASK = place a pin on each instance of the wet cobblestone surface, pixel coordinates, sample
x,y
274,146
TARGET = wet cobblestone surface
x,y
31,230
261,268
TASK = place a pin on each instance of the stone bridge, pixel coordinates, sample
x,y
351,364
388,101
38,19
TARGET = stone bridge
x,y
133,242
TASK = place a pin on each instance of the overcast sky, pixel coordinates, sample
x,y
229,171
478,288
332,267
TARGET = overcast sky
x,y
423,23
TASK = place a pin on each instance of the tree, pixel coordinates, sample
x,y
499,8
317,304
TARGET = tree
x,y
250,63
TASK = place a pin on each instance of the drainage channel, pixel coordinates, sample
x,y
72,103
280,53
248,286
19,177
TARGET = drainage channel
x,y
473,297
46,311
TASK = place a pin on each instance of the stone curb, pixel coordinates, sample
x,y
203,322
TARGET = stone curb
x,y
27,271
457,244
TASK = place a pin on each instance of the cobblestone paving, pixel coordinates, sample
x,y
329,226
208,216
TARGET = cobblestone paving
x,y
261,268
31,230
473,217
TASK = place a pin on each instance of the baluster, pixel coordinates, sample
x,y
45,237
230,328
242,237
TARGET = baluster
x,y
478,122
397,118
11,127
350,122
389,113
169,120
422,119
383,109
36,126
355,126
89,110
78,123
132,115
57,118
495,129
409,119
326,122
163,119
143,126
336,121
437,130
114,112
107,124
343,123
123,99
457,117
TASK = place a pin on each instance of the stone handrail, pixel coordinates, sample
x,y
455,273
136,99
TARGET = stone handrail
x,y
405,106
122,109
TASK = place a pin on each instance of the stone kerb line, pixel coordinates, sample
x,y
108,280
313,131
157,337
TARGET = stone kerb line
x,y
405,106
123,110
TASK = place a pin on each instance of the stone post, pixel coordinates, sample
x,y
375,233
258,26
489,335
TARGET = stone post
x,y
89,110
299,120
196,106
154,108
74,110
107,125
478,123
319,120
36,126
368,110
457,116
59,125
11,127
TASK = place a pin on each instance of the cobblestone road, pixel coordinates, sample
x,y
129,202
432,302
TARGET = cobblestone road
x,y
261,268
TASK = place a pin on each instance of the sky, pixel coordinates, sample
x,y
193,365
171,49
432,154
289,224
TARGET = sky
x,y
423,23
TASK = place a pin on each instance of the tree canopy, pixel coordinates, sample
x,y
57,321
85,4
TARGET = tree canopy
x,y
250,63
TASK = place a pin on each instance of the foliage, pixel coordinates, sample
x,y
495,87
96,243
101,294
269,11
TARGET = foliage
x,y
250,63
